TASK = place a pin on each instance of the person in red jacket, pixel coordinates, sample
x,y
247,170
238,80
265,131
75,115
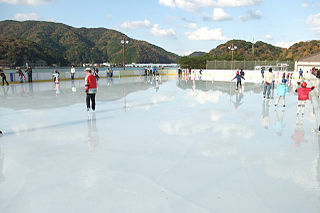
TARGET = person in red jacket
x,y
303,96
91,89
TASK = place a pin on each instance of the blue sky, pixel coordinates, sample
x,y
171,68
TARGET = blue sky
x,y
181,26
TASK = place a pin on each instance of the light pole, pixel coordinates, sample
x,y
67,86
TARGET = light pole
x,y
124,42
232,48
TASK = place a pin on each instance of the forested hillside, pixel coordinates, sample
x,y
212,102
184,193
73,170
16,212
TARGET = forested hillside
x,y
55,43
249,52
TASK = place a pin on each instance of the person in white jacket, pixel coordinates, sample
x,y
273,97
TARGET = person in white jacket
x,y
268,81
73,71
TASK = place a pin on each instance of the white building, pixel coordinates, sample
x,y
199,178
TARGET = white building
x,y
308,62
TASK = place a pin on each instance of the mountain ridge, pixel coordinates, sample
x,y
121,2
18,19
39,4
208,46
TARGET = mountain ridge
x,y
65,45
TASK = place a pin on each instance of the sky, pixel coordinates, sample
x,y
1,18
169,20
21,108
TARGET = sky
x,y
181,26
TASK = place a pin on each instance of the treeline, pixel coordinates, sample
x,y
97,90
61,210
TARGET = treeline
x,y
55,43
248,51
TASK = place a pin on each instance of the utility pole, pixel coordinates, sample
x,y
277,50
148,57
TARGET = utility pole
x,y
124,42
253,47
232,48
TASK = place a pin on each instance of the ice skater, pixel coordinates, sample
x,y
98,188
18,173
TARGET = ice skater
x,y
72,72
238,77
96,73
4,78
91,90
29,72
282,89
300,73
55,76
21,75
262,72
268,81
303,96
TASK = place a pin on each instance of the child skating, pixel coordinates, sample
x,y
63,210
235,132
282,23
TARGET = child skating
x,y
303,96
238,77
282,89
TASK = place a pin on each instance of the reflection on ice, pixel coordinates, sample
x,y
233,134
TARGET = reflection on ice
x,y
155,146
93,135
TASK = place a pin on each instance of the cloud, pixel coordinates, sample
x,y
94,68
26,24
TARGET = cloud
x,y
205,34
29,2
304,4
251,15
191,25
315,21
268,37
158,32
220,15
26,16
133,25
285,44
195,5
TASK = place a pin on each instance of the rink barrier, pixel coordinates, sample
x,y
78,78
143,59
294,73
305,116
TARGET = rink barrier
x,y
207,75
66,76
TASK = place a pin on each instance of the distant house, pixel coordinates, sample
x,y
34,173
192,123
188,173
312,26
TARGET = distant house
x,y
308,62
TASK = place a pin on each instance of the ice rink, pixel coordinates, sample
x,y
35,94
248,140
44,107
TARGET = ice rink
x,y
156,146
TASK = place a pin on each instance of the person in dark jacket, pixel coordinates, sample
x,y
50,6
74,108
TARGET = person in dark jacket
x,y
29,72
242,72
4,78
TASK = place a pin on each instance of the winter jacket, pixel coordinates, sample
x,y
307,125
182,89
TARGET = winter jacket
x,y
268,77
238,77
91,84
282,89
303,93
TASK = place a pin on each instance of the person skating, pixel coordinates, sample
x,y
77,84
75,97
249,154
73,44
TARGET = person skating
x,y
72,71
238,77
29,72
21,75
303,96
90,89
268,80
282,89
4,78
242,72
300,73
262,72
56,75
96,72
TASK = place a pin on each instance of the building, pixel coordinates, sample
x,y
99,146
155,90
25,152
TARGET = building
x,y
308,62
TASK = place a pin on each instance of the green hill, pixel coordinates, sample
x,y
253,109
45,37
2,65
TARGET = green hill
x,y
246,51
55,43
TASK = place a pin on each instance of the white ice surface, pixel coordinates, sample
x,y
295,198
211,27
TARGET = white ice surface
x,y
155,147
